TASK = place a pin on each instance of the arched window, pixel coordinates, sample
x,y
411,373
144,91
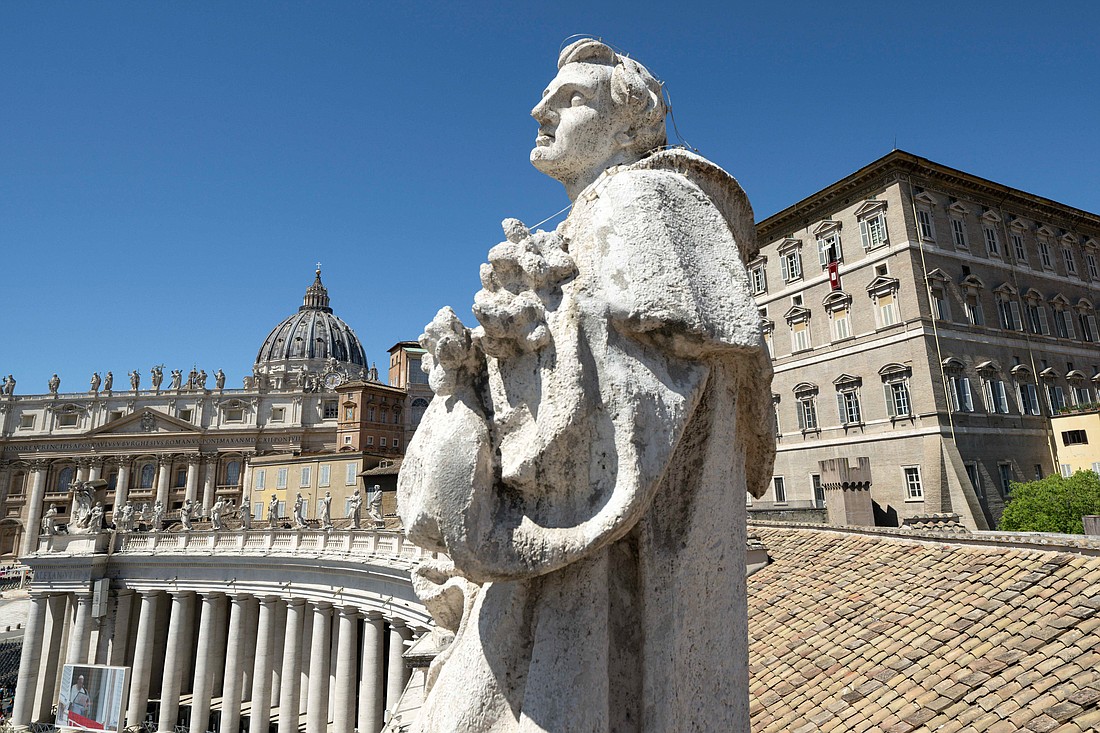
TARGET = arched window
x,y
418,406
65,478
233,473
147,472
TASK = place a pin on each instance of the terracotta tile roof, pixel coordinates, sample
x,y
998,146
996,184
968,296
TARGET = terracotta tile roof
x,y
908,631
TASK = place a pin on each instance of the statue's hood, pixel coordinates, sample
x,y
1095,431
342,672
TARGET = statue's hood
x,y
722,188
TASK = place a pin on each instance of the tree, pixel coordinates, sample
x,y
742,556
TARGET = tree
x,y
1053,504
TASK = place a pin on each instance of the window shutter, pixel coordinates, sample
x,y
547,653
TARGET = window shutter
x,y
840,408
888,393
1068,318
823,252
968,400
864,234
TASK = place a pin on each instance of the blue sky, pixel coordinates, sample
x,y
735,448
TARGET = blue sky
x,y
169,172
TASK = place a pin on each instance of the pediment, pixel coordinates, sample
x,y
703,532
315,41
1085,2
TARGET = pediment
x,y
1069,239
870,207
893,369
991,216
938,275
789,244
987,366
972,282
952,363
1084,304
146,421
1076,374
836,299
1091,243
1061,300
1005,289
1018,224
1044,230
804,388
883,284
1033,295
797,313
925,198
847,379
826,227
958,208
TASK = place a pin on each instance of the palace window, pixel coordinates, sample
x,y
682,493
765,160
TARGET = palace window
x,y
838,305
147,472
181,478
67,420
281,478
758,276
1009,311
323,476
884,292
995,396
872,224
1026,392
828,247
64,479
259,482
382,442
329,410
958,233
1090,263
1087,322
1071,264
26,422
992,244
974,313
937,288
235,414
780,490
233,473
307,474
1018,248
792,266
961,398
1044,255
805,396
1063,321
186,415
350,472
1074,437
913,489
278,414
1056,398
418,406
1037,317
370,413
847,400
370,440
818,489
1005,471
895,387
924,221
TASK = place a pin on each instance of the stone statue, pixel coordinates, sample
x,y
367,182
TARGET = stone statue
x,y
273,511
372,373
246,513
200,380
355,506
177,379
96,381
125,521
583,459
9,386
108,382
374,506
216,515
135,380
54,383
158,376
158,516
48,521
83,498
326,511
95,519
299,513
219,379
185,515
192,378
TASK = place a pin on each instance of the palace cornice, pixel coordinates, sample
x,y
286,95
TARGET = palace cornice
x,y
900,165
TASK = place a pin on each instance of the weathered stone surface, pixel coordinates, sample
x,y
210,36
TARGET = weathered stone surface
x,y
585,457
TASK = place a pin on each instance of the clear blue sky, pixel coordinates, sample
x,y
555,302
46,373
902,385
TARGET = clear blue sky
x,y
169,172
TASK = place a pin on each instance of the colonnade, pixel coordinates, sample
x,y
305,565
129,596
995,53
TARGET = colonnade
x,y
286,660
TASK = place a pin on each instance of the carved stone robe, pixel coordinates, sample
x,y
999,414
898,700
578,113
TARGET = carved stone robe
x,y
595,489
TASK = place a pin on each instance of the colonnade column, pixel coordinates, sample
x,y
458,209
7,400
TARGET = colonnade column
x,y
191,486
164,476
34,512
204,670
48,676
82,465
261,676
246,475
371,684
317,705
81,630
120,634
290,694
234,674
343,714
176,658
143,659
95,469
396,676
27,682
122,485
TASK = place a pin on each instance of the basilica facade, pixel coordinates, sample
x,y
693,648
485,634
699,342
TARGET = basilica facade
x,y
188,438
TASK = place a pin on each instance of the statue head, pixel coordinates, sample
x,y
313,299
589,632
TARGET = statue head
x,y
602,109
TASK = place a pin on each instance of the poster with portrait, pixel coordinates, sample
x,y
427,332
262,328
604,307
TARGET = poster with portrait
x,y
92,697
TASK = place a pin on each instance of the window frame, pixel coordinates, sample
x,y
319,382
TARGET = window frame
x,y
909,473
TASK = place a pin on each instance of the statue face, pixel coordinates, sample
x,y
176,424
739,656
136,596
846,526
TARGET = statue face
x,y
581,131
